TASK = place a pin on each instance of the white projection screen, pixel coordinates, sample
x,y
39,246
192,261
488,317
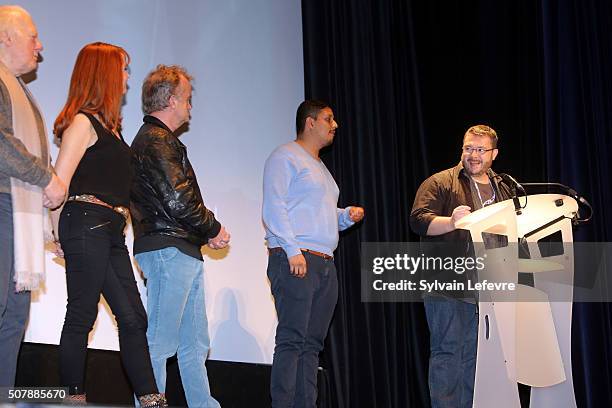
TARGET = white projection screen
x,y
246,57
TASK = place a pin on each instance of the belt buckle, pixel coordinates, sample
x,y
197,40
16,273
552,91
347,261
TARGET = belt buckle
x,y
123,211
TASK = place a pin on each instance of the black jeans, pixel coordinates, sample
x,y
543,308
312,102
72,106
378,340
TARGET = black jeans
x,y
98,262
305,307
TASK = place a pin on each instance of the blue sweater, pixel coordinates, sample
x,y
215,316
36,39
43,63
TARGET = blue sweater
x,y
300,199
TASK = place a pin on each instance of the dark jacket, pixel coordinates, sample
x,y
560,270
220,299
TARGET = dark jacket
x,y
166,199
441,193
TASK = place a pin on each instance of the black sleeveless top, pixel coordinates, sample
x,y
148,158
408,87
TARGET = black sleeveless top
x,y
105,169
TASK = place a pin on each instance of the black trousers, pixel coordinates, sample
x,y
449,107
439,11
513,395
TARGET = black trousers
x,y
98,262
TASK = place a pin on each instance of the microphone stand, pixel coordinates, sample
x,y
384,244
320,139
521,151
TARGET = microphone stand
x,y
572,193
514,185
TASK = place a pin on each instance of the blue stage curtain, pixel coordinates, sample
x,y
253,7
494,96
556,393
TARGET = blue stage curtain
x,y
405,80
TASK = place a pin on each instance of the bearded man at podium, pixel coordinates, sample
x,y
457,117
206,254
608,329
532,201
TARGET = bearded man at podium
x,y
442,200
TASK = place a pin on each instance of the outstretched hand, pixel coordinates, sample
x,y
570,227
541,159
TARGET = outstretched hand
x,y
356,214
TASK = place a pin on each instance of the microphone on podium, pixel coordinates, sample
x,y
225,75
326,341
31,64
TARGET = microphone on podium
x,y
508,179
565,189
514,185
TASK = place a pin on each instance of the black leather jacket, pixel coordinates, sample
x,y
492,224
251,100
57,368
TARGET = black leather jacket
x,y
166,199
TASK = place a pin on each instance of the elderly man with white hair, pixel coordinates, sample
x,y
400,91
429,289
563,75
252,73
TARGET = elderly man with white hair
x,y
27,184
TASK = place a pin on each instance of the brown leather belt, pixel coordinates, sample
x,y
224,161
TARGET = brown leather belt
x,y
92,199
310,251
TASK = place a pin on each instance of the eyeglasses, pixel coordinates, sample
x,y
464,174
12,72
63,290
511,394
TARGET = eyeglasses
x,y
479,150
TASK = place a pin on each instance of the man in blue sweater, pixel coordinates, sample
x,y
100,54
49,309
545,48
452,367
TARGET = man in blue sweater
x,y
302,221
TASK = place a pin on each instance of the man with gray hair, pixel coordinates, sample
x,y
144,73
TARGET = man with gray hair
x,y
27,183
171,224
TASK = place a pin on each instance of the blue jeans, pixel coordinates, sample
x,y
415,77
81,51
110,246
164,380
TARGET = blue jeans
x,y
14,307
177,320
304,307
453,330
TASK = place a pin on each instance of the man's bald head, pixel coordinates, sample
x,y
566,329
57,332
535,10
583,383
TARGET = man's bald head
x,y
8,15
19,44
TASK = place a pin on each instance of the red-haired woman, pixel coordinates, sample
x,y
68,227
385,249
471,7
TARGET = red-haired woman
x,y
94,161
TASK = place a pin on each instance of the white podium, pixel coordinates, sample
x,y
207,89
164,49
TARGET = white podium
x,y
522,336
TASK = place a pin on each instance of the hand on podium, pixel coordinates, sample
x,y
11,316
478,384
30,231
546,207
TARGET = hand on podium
x,y
459,213
442,225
